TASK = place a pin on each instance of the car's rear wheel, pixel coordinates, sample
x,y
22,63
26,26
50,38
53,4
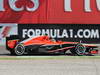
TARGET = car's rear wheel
x,y
79,50
12,52
19,49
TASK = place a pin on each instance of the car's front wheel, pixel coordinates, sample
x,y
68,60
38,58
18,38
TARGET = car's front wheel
x,y
19,49
79,50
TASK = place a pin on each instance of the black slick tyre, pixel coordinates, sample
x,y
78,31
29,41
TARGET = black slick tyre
x,y
79,50
19,49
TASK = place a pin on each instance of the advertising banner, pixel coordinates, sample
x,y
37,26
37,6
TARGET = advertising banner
x,y
50,11
65,32
7,30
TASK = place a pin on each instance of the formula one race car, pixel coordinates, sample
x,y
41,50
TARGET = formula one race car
x,y
44,44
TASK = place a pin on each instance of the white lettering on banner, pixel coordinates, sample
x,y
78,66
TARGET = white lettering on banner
x,y
87,5
53,34
38,32
98,4
65,33
58,33
1,5
36,5
95,33
45,32
88,33
71,33
15,8
31,32
79,33
67,5
50,32
24,33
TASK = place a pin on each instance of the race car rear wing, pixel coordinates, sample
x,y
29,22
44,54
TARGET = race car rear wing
x,y
11,37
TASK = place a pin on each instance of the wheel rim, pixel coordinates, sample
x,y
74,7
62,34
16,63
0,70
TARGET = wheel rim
x,y
80,49
19,49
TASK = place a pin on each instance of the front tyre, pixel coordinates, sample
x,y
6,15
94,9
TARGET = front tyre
x,y
79,50
19,49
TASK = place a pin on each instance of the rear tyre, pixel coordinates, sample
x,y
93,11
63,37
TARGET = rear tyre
x,y
12,52
79,50
19,49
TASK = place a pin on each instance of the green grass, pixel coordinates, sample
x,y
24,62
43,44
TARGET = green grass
x,y
47,57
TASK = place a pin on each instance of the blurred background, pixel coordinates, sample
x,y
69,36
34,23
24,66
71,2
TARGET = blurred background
x,y
6,30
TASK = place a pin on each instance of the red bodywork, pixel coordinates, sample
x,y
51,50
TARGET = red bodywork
x,y
45,40
12,43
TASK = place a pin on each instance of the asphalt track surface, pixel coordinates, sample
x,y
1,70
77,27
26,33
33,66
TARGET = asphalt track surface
x,y
48,65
